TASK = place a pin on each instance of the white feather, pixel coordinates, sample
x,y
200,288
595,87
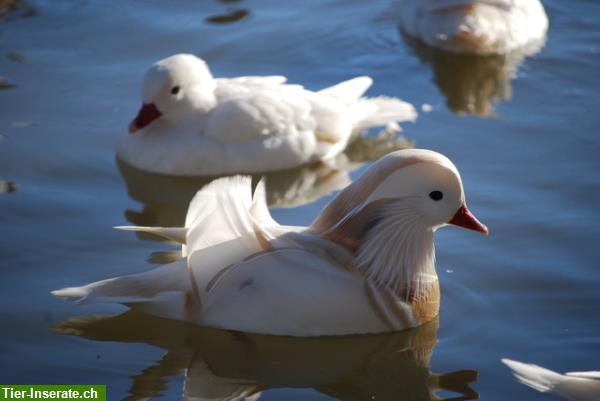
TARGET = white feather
x,y
162,290
587,375
381,111
348,91
176,234
400,233
576,386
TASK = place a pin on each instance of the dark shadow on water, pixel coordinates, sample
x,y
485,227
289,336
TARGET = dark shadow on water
x,y
7,187
165,198
12,9
232,15
472,84
6,84
227,365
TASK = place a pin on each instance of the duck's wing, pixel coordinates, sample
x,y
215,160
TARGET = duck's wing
x,y
227,223
224,225
220,212
241,83
300,292
267,108
246,113
225,212
221,206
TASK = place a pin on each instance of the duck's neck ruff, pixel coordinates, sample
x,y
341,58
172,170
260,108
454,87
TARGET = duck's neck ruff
x,y
398,251
392,246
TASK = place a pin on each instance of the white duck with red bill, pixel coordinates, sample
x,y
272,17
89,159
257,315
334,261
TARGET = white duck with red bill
x,y
193,124
476,26
365,265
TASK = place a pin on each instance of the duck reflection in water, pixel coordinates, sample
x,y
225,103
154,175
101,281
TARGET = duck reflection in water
x,y
228,365
165,198
473,84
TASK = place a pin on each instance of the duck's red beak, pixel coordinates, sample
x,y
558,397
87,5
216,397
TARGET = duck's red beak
x,y
464,218
145,116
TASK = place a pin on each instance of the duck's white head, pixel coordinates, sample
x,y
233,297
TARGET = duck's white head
x,y
175,88
426,182
389,215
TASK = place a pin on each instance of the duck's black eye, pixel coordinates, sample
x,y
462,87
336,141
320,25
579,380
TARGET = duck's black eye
x,y
175,90
436,195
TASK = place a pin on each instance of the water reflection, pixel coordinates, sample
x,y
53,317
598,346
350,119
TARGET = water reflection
x,y
6,84
232,15
165,198
473,84
12,9
226,365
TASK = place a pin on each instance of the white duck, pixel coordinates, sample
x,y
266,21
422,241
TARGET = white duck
x,y
475,26
193,124
574,386
365,265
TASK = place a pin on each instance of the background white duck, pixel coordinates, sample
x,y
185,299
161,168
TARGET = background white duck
x,y
365,265
475,26
574,386
193,124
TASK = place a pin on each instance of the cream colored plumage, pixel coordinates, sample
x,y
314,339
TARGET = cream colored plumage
x,y
573,386
193,124
365,265
475,26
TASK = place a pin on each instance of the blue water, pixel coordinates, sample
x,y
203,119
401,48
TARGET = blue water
x,y
529,162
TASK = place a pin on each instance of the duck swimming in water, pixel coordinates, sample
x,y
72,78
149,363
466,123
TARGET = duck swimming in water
x,y
475,26
193,124
365,265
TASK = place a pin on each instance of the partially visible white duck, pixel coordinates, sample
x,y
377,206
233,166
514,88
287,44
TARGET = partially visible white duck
x,y
475,26
193,124
574,386
365,265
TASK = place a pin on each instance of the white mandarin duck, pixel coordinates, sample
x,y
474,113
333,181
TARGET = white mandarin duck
x,y
193,124
574,386
365,265
475,26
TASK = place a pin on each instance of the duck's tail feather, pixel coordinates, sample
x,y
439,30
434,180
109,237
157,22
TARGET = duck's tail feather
x,y
534,376
594,374
381,111
176,234
349,91
164,282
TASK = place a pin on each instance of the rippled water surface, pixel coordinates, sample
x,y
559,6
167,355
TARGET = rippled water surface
x,y
523,132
